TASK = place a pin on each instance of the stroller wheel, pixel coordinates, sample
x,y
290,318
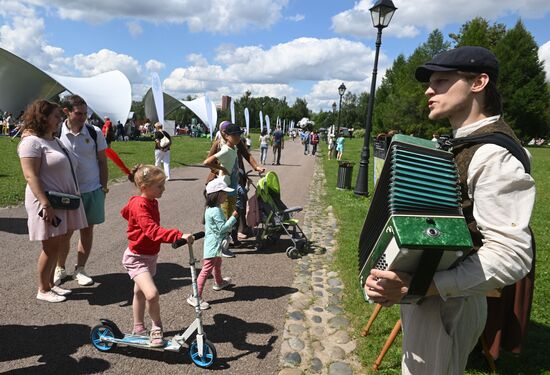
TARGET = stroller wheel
x,y
292,252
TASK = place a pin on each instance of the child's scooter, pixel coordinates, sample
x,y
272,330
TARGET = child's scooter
x,y
107,335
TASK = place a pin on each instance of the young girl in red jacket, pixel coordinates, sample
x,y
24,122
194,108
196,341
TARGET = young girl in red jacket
x,y
144,238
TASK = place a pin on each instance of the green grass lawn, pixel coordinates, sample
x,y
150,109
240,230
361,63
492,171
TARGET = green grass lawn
x,y
351,211
184,151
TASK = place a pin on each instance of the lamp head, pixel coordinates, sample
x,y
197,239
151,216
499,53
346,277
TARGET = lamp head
x,y
381,13
342,89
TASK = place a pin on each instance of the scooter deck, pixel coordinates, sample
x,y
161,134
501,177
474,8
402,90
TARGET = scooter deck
x,y
143,342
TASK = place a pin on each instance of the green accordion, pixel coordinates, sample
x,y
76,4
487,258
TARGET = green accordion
x,y
415,222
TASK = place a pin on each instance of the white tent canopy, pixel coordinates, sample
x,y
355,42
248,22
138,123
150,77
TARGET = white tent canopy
x,y
205,109
107,94
170,105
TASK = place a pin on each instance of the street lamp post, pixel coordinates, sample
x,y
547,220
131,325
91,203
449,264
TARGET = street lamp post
x,y
381,13
341,92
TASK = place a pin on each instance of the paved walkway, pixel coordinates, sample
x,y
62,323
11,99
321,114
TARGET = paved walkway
x,y
253,326
316,334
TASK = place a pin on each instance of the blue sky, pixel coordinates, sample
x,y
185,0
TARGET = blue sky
x,y
290,48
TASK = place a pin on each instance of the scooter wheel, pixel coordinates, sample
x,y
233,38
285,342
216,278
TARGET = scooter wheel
x,y
208,354
102,331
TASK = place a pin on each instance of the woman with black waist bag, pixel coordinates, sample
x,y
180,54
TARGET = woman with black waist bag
x,y
48,168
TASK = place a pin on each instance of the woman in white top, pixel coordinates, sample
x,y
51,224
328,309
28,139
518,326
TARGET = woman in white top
x,y
264,144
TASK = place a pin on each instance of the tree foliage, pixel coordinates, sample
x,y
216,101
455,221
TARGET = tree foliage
x,y
477,32
400,103
522,83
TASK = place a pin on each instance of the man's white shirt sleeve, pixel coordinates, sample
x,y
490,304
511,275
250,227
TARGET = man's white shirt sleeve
x,y
503,196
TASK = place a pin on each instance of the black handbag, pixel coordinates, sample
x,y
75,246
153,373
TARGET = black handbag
x,y
64,201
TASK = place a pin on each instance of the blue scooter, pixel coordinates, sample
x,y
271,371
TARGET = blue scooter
x,y
106,336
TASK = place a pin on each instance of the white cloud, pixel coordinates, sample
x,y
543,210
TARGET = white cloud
x,y
544,55
15,7
413,16
134,28
154,65
273,71
197,59
301,59
199,15
296,18
106,60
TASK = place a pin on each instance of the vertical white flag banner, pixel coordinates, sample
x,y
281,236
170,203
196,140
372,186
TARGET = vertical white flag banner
x,y
157,96
247,120
261,121
278,121
211,114
284,125
267,124
232,108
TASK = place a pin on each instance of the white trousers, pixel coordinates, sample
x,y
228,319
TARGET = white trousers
x,y
164,158
438,335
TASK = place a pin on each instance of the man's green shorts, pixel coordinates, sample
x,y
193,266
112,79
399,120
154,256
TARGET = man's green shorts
x,y
94,205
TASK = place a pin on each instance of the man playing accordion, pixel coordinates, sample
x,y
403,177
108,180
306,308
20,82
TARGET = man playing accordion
x,y
497,201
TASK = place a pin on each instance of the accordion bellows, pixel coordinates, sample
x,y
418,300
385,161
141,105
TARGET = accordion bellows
x,y
415,222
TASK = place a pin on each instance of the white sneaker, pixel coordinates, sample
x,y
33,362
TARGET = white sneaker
x,y
61,291
226,281
50,296
59,275
193,302
81,276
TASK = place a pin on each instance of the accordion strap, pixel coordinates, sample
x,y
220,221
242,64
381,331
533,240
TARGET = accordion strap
x,y
497,138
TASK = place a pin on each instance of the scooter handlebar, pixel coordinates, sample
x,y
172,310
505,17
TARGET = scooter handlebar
x,y
183,241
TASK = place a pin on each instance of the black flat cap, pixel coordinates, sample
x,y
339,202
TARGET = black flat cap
x,y
466,59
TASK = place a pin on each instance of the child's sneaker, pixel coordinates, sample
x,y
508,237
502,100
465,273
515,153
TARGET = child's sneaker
x,y
59,275
81,276
193,302
50,296
225,283
61,291
156,339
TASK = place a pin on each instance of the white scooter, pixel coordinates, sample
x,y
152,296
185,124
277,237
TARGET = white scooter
x,y
106,336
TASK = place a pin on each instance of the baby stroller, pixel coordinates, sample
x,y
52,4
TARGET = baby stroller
x,y
275,218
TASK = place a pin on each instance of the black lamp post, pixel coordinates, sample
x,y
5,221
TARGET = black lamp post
x,y
381,13
341,92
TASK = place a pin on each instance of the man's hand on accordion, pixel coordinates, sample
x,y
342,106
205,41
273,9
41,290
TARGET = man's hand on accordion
x,y
387,287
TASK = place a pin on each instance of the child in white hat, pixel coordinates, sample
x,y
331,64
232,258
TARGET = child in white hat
x,y
216,230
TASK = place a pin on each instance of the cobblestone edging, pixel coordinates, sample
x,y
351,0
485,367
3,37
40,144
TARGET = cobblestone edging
x,y
316,336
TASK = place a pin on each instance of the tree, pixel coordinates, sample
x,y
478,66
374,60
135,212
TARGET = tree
x,y
299,109
477,32
522,83
400,101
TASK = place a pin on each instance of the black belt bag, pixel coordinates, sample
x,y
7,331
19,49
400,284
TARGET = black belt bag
x,y
63,201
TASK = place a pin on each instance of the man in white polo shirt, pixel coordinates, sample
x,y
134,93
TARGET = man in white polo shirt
x,y
92,175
